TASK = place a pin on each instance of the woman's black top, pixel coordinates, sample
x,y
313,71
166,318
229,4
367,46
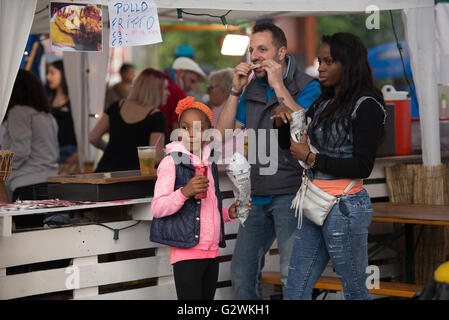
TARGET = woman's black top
x,y
124,138
66,130
367,129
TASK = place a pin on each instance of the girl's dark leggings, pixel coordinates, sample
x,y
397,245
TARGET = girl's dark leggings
x,y
196,279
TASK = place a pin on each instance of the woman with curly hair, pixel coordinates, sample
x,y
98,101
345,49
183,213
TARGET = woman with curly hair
x,y
347,123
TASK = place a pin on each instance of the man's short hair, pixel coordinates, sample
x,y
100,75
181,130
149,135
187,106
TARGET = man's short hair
x,y
279,39
125,67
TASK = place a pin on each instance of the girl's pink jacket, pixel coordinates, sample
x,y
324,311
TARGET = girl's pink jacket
x,y
167,201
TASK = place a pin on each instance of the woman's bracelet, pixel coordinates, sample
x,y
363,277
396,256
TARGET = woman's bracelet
x,y
307,158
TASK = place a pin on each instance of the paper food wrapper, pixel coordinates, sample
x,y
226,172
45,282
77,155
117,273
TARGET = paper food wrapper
x,y
238,172
297,127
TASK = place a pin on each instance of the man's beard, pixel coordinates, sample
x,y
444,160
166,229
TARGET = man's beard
x,y
264,75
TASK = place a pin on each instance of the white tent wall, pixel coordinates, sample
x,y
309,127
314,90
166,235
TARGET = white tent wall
x,y
98,67
74,68
16,17
442,38
421,43
87,85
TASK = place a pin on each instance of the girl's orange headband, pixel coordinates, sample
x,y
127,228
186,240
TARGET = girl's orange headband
x,y
190,103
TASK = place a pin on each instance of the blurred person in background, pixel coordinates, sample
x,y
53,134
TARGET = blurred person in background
x,y
219,89
135,121
175,94
61,110
121,89
188,76
182,50
184,77
31,132
220,83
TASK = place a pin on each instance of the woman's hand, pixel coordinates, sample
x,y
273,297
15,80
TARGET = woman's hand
x,y
300,150
73,159
96,135
233,209
70,165
282,114
196,185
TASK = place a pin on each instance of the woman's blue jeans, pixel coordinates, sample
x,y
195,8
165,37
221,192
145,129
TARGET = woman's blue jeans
x,y
264,224
343,239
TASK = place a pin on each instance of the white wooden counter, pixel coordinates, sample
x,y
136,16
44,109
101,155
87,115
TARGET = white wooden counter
x,y
141,211
84,244
87,244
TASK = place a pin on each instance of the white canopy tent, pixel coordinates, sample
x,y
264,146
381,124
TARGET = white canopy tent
x,y
252,10
15,16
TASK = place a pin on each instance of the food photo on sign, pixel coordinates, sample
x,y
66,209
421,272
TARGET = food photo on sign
x,y
76,27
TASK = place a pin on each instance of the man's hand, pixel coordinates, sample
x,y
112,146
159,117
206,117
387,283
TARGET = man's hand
x,y
282,114
240,76
196,185
274,73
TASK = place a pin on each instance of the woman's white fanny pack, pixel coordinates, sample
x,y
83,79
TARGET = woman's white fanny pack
x,y
313,202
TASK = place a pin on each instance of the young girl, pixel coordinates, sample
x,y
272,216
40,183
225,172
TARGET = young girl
x,y
193,228
347,123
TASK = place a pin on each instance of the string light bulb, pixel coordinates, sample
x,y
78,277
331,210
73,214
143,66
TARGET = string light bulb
x,y
223,20
179,14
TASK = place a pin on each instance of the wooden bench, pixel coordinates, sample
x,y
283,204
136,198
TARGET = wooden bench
x,y
393,289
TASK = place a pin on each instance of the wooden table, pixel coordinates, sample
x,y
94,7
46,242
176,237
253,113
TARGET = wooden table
x,y
437,215
410,215
117,185
103,178
408,158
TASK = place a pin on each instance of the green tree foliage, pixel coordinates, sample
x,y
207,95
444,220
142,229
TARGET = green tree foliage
x,y
355,23
207,45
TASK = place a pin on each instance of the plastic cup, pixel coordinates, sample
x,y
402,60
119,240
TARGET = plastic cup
x,y
88,165
201,170
147,156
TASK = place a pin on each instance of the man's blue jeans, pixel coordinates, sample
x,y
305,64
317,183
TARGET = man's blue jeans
x,y
344,239
263,225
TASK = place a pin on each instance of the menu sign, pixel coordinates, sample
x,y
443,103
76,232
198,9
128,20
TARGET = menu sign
x,y
76,27
133,23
